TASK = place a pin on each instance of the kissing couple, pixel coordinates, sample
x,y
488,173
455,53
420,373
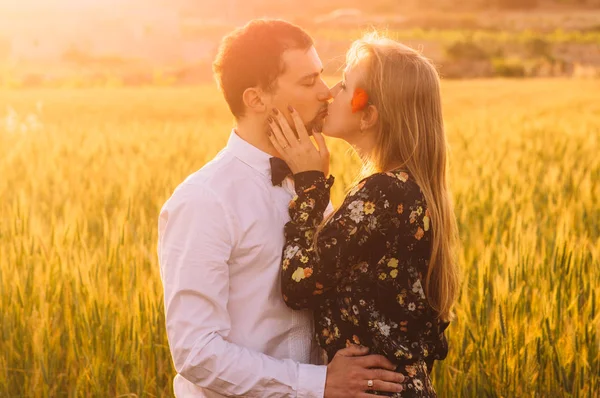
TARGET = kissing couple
x,y
271,292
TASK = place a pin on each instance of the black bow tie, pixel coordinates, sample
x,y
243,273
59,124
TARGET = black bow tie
x,y
279,170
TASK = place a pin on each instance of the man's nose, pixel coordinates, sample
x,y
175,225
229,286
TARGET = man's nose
x,y
325,95
324,92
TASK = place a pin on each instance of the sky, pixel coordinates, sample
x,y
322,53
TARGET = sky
x,y
18,16
58,5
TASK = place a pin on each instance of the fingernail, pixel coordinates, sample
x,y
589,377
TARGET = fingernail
x,y
290,108
275,111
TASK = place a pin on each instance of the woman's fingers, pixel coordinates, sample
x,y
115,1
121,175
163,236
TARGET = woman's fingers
x,y
285,128
323,150
278,135
276,143
299,124
299,154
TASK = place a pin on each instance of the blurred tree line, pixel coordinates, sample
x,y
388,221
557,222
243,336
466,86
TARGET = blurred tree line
x,y
509,4
303,8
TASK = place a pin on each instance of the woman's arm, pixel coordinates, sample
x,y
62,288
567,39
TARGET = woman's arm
x,y
311,268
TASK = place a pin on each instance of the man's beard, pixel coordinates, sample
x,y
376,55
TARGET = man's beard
x,y
316,123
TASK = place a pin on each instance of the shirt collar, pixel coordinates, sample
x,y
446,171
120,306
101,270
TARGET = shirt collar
x,y
249,154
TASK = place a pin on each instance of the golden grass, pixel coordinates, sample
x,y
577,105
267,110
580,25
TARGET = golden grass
x,y
84,173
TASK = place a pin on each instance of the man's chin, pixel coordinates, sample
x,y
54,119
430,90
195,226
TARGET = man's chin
x,y
316,125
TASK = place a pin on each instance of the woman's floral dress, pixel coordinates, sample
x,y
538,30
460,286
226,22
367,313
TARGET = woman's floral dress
x,y
365,276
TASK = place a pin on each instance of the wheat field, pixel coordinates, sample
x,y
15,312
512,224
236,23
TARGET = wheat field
x,y
83,174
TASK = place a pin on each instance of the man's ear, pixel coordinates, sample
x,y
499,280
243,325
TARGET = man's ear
x,y
254,100
369,118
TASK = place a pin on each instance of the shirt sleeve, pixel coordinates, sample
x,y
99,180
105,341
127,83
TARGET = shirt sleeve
x,y
195,244
311,268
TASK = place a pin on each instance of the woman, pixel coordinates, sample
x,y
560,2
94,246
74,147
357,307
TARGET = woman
x,y
381,271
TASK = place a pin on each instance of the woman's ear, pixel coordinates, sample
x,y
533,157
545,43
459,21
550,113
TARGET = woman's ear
x,y
369,118
253,99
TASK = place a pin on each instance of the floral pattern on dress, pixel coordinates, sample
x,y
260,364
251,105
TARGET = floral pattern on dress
x,y
365,274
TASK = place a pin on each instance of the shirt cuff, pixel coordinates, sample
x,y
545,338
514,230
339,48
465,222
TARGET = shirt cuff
x,y
311,381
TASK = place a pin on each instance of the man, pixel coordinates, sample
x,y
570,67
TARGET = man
x,y
221,238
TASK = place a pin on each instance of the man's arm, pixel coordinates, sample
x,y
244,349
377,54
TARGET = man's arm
x,y
195,243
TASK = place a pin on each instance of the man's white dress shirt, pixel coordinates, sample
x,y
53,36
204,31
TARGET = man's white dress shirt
x,y
220,244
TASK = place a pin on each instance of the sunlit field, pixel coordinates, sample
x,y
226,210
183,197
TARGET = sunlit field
x,y
83,174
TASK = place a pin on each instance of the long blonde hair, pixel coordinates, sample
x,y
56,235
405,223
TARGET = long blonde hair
x,y
404,86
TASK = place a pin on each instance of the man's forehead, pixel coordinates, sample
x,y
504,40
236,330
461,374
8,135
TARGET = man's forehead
x,y
300,62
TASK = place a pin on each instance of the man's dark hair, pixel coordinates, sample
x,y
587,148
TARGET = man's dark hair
x,y
250,56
